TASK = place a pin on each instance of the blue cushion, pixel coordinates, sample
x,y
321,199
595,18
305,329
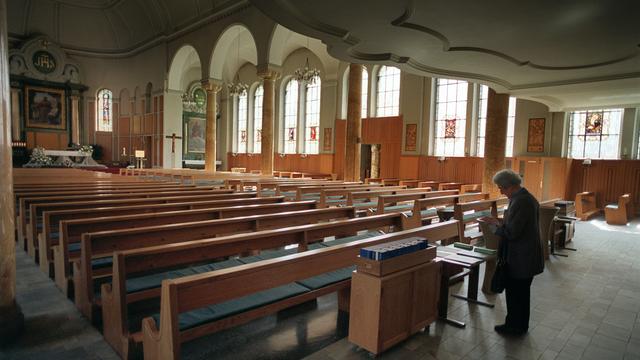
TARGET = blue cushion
x,y
101,263
366,204
74,246
319,281
398,207
155,280
55,235
218,311
347,239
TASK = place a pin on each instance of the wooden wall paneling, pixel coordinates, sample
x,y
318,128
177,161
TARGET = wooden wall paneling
x,y
409,167
136,127
554,178
124,126
104,140
607,178
90,127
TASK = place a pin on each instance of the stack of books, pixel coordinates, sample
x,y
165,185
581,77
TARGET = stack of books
x,y
393,249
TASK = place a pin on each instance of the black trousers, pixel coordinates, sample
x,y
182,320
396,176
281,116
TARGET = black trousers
x,y
518,294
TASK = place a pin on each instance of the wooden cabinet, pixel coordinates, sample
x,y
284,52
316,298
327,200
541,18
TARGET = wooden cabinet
x,y
387,309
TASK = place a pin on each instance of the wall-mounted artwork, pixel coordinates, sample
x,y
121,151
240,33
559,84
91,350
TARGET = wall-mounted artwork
x,y
45,108
535,139
195,134
411,136
326,140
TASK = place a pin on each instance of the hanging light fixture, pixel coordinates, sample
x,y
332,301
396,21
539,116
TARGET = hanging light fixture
x,y
307,74
236,87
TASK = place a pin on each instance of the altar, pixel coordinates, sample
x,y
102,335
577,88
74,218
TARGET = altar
x,y
72,158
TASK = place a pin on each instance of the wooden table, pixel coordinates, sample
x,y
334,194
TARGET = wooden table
x,y
470,261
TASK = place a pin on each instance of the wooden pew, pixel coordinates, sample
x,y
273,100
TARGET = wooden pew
x,y
428,207
74,222
366,200
98,245
36,210
429,183
132,263
449,186
480,208
470,188
163,339
404,202
586,206
340,197
620,213
315,192
28,226
290,190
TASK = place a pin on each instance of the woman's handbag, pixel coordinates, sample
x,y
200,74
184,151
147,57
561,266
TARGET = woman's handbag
x,y
499,280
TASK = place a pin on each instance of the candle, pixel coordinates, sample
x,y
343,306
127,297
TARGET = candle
x,y
124,151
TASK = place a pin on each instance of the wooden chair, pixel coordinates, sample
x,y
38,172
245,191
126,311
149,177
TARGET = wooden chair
x,y
586,206
620,213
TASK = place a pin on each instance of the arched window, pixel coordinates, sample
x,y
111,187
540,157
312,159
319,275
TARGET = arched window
x,y
451,117
290,116
482,122
365,92
257,119
388,88
312,117
595,134
242,122
104,115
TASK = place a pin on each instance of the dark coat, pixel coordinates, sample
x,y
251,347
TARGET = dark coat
x,y
520,229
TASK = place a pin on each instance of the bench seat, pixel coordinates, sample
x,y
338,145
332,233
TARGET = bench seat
x,y
215,312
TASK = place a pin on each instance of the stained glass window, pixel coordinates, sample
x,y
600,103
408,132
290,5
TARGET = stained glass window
x,y
312,117
290,116
242,123
104,116
482,122
595,134
388,87
365,92
451,117
257,119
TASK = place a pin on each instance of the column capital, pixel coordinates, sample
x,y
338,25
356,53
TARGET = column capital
x,y
211,85
269,71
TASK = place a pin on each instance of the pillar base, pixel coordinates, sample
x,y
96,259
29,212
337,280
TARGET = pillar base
x,y
11,323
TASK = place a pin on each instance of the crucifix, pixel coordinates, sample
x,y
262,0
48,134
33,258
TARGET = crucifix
x,y
173,138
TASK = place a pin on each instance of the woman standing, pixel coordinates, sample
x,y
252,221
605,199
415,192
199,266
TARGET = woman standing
x,y
524,250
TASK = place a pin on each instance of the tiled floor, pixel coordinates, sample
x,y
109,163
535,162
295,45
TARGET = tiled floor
x,y
584,307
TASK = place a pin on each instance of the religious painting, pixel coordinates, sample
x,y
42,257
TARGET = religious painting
x,y
450,128
195,134
326,140
594,124
45,108
411,135
535,142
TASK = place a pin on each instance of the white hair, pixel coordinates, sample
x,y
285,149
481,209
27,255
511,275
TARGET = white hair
x,y
507,177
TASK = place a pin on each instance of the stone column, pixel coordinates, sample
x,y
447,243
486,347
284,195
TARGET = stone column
x,y
269,78
15,114
211,87
495,139
75,119
354,124
375,160
11,318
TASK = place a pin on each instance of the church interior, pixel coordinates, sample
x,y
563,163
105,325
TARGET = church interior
x,y
270,179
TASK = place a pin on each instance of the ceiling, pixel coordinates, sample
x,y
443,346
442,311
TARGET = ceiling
x,y
566,54
110,27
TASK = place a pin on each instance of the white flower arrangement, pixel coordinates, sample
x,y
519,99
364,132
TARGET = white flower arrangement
x,y
87,149
39,158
